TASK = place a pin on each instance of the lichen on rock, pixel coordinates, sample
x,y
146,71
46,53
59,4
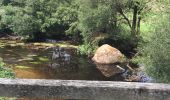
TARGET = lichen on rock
x,y
107,54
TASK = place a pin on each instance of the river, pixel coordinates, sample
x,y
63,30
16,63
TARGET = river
x,y
31,62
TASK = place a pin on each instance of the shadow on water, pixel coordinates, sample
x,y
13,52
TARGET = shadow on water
x,y
39,64
42,64
52,63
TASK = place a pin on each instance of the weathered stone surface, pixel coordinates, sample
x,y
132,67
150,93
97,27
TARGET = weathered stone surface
x,y
107,55
110,69
91,90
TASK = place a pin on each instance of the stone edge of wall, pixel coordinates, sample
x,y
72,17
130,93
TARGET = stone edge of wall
x,y
81,89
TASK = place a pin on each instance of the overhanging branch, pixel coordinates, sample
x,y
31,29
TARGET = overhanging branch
x,y
124,16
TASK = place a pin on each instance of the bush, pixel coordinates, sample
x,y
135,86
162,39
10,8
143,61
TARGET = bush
x,y
86,49
30,18
6,18
24,25
96,16
157,51
4,72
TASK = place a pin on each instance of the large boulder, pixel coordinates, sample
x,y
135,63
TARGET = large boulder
x,y
107,54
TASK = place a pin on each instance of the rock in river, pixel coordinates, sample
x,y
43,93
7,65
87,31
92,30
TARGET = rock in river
x,y
107,54
107,58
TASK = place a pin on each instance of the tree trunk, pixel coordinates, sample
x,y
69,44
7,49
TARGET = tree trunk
x,y
138,25
135,13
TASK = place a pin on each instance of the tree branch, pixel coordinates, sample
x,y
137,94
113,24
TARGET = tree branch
x,y
124,16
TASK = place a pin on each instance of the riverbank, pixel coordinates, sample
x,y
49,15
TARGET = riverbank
x,y
5,72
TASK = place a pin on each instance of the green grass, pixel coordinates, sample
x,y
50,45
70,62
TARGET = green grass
x,y
5,72
146,31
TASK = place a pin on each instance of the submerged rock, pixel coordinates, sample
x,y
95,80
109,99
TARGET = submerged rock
x,y
110,70
136,75
107,55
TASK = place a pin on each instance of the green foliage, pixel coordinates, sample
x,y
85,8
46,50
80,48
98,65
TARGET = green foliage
x,y
25,25
95,17
86,49
4,72
101,14
81,20
61,19
4,2
28,17
112,17
157,51
6,16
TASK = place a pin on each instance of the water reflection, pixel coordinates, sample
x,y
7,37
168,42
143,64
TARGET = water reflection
x,y
62,63
40,65
57,63
109,70
60,55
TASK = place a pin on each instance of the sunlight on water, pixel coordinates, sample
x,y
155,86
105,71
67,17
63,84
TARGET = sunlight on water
x,y
38,64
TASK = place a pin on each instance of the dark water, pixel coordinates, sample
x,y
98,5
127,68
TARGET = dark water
x,y
38,64
42,64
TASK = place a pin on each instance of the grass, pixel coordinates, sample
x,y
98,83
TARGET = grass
x,y
5,72
146,31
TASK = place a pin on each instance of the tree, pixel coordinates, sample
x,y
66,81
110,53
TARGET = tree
x,y
6,18
34,18
96,16
5,2
135,8
114,17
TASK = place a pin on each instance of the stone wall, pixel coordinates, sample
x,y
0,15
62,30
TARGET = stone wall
x,y
91,90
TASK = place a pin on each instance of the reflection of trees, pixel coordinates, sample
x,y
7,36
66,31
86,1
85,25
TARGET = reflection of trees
x,y
61,54
62,62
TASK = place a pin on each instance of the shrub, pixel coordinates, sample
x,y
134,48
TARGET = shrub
x,y
4,72
157,51
86,49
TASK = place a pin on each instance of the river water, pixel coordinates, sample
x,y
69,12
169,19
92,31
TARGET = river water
x,y
37,64
32,63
